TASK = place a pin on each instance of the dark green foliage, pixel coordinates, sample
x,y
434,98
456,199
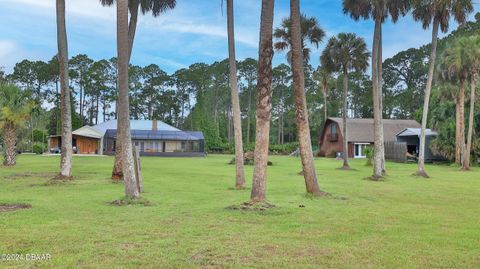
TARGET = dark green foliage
x,y
39,147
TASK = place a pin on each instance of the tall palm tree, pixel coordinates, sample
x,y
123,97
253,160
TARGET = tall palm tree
x,y
436,13
461,63
378,10
453,69
306,153
264,102
128,166
15,109
311,33
156,7
65,106
345,53
237,123
472,44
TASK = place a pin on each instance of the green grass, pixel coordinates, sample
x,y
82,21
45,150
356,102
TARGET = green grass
x,y
401,222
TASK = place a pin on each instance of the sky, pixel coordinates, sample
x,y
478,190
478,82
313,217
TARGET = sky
x,y
195,31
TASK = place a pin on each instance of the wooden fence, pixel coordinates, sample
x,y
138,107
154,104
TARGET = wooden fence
x,y
396,151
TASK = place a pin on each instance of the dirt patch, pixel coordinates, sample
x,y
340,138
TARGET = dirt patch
x,y
13,207
127,201
252,206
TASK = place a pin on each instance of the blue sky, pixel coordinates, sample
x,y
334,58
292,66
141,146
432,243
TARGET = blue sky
x,y
194,32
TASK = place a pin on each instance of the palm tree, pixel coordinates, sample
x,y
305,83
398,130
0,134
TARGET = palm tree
x,y
237,123
65,106
453,69
437,13
378,10
345,53
15,108
264,102
311,33
461,62
156,7
306,153
129,177
472,44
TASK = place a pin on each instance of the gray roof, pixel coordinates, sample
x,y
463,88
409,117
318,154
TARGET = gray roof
x,y
361,130
159,135
134,125
416,132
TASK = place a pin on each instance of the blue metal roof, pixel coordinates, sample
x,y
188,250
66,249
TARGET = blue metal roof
x,y
134,125
159,135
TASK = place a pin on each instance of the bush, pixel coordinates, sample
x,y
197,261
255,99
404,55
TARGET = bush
x,y
39,148
369,153
276,149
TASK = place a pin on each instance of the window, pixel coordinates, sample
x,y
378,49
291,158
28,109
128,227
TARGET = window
x,y
333,129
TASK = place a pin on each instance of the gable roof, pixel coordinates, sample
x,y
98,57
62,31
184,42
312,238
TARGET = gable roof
x,y
159,135
416,132
145,125
87,131
361,130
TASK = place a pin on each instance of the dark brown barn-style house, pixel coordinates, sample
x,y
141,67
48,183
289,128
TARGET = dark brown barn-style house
x,y
360,135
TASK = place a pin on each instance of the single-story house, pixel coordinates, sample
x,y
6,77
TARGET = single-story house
x,y
153,138
360,134
411,136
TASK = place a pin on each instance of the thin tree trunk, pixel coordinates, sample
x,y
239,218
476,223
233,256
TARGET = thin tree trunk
x,y
380,96
128,168
10,139
80,109
117,173
431,69
237,122
306,152
67,151
249,116
471,118
377,113
460,124
324,91
264,102
346,166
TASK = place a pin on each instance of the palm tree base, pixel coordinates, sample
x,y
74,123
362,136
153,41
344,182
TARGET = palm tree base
x,y
422,173
117,176
376,178
61,177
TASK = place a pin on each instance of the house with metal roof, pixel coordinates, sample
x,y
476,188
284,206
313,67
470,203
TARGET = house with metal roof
x,y
153,138
411,137
360,134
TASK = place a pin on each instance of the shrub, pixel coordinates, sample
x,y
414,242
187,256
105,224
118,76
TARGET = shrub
x,y
369,153
39,148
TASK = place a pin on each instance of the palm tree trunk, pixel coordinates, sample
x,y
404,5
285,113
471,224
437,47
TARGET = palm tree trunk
x,y
460,124
67,151
306,153
264,102
131,188
380,96
249,116
237,123
346,166
324,91
117,165
377,113
9,139
471,117
426,101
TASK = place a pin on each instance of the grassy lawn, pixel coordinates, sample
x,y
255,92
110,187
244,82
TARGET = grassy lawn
x,y
401,222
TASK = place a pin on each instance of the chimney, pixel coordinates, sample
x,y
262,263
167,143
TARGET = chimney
x,y
154,125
